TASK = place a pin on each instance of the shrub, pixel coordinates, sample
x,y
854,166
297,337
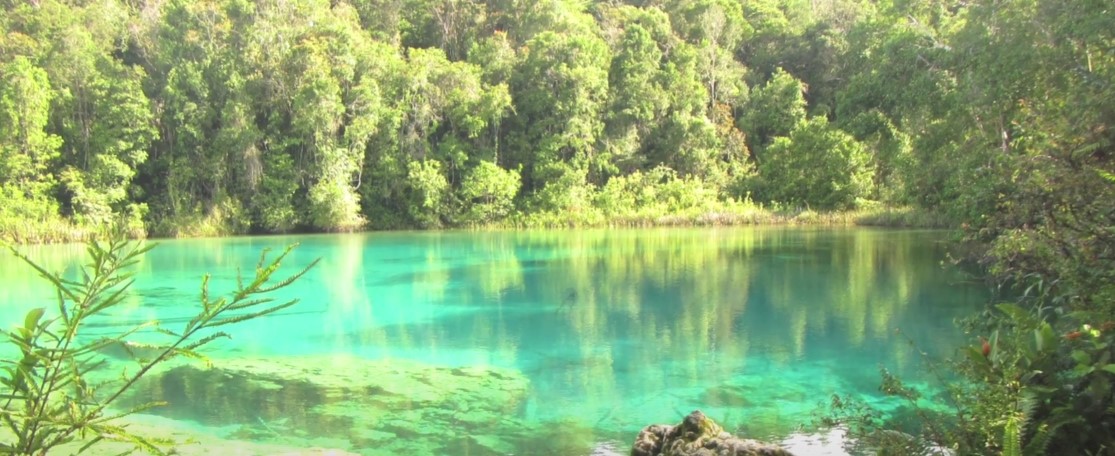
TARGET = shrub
x,y
817,165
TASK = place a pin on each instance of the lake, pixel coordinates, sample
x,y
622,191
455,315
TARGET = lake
x,y
539,342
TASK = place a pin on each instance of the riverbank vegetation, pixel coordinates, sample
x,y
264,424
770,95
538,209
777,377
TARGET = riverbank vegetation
x,y
186,118
189,118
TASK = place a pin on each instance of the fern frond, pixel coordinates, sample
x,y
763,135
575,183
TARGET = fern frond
x,y
1044,434
1028,404
1012,437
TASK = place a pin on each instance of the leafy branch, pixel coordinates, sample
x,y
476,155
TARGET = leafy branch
x,y
46,397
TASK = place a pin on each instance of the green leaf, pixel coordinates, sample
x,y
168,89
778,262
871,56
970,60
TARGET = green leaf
x,y
1044,338
115,298
1042,389
206,340
31,321
247,303
189,354
105,342
90,443
976,357
1016,313
1109,368
253,315
131,411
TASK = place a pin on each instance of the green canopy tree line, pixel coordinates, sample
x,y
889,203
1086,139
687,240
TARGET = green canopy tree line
x,y
224,117
208,117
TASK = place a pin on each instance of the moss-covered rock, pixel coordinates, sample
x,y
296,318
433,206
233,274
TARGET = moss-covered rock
x,y
698,435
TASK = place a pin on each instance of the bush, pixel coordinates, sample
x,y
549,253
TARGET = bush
x,y
818,166
488,193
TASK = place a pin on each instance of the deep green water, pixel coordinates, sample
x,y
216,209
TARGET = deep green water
x,y
613,329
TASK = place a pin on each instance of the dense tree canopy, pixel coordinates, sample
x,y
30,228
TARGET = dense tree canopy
x,y
187,117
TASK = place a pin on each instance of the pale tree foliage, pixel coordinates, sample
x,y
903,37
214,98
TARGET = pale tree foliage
x,y
26,147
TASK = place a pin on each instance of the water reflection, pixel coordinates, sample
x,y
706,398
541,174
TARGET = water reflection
x,y
612,328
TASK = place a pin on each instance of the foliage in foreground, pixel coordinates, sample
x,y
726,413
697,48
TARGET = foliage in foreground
x,y
51,392
1039,384
1038,376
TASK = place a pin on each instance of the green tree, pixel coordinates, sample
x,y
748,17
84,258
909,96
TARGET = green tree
x,y
274,198
117,132
488,193
98,109
560,93
316,120
429,192
890,52
817,165
774,109
449,25
27,149
195,73
446,120
891,153
637,100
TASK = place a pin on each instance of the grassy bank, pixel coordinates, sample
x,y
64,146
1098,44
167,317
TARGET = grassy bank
x,y
57,231
733,215
54,231
714,214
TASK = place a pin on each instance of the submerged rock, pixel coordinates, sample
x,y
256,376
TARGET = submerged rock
x,y
698,435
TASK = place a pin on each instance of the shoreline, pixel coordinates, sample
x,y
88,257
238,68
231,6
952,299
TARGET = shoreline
x,y
65,232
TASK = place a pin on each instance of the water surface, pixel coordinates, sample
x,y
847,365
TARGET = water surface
x,y
612,329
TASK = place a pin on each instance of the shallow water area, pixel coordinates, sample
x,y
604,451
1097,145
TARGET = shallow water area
x,y
539,342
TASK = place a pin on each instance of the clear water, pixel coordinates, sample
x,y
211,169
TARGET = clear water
x,y
611,329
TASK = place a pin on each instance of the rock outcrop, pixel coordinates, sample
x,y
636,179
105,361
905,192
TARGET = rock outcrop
x,y
698,435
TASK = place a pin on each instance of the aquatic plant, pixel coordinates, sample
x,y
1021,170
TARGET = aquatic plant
x,y
50,394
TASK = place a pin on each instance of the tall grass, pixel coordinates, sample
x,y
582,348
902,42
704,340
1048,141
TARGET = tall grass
x,y
708,213
728,214
21,231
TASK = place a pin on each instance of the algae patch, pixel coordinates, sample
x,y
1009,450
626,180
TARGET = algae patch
x,y
376,406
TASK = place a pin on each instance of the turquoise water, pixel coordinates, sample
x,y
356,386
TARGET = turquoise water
x,y
611,329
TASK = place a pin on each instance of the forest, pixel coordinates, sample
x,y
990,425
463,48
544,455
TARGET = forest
x,y
222,117
188,118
